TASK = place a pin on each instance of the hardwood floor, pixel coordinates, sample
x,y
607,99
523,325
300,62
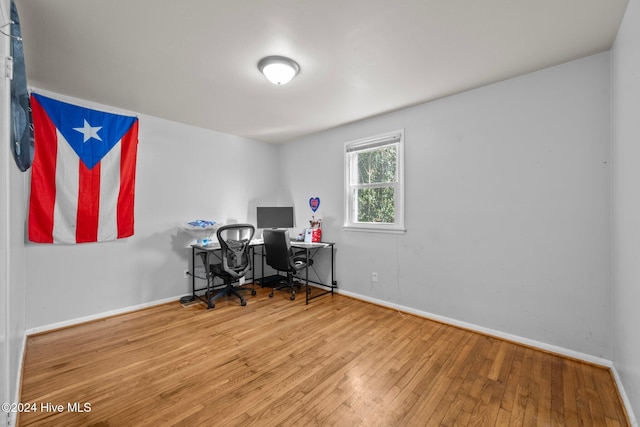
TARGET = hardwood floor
x,y
337,361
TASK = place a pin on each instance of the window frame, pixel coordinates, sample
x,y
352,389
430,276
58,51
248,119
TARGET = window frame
x,y
351,186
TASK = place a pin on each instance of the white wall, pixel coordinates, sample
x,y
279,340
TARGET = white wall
x,y
507,201
183,173
13,194
626,202
508,197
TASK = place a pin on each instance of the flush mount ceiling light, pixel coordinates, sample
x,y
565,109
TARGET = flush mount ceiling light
x,y
278,69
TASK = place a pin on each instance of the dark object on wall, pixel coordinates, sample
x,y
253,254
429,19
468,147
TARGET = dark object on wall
x,y
21,121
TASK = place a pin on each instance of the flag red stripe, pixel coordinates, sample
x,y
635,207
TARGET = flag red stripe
x,y
88,203
67,201
128,153
43,177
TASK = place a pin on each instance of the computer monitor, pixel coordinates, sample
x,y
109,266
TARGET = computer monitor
x,y
275,217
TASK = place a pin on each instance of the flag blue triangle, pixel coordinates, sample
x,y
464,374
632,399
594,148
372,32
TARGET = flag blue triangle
x,y
91,133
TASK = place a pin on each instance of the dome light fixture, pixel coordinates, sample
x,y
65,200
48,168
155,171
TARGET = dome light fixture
x,y
278,70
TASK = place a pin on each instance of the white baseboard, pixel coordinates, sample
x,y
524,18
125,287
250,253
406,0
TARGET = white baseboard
x,y
514,338
71,322
498,334
78,320
488,331
13,415
625,398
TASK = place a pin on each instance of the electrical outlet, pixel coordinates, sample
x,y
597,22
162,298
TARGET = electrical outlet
x,y
374,277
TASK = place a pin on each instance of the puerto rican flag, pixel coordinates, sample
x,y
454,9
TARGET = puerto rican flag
x,y
83,173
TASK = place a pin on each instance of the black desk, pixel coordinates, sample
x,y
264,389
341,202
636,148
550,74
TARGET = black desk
x,y
310,249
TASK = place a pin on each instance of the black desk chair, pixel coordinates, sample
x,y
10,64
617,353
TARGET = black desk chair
x,y
234,252
281,257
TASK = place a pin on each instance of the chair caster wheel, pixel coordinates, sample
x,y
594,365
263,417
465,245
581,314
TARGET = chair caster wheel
x,y
292,297
253,292
212,305
243,303
270,294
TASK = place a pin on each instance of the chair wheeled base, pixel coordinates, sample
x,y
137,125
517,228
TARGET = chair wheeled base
x,y
288,284
230,290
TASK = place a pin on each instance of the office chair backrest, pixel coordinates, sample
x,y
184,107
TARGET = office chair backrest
x,y
234,245
277,247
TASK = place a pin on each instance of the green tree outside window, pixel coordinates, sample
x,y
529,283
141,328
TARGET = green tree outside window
x,y
374,183
377,168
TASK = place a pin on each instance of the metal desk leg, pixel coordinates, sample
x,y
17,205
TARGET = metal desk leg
x,y
193,272
332,267
262,272
306,286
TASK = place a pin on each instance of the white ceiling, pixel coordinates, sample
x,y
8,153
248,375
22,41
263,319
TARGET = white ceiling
x,y
195,61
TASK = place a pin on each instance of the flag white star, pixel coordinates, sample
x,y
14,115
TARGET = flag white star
x,y
89,131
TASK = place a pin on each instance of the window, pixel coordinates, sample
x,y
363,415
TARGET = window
x,y
374,183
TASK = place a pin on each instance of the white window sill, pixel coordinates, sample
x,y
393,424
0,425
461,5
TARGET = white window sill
x,y
375,229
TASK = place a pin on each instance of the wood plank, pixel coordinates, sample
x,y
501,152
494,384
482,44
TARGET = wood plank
x,y
336,361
